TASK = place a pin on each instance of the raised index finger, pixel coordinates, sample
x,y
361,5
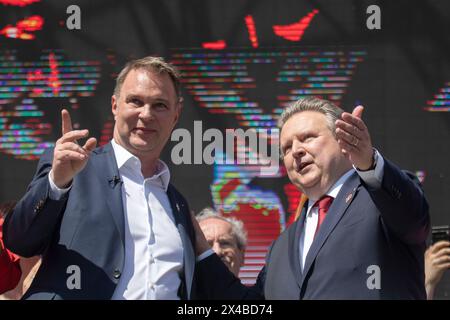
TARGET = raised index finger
x,y
66,122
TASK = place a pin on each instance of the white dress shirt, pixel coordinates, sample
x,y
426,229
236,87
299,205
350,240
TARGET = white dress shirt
x,y
153,247
372,178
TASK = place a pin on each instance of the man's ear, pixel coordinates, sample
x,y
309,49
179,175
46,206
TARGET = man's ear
x,y
179,109
242,256
114,106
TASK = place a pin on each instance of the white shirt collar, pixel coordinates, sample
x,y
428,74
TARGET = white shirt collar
x,y
335,188
124,157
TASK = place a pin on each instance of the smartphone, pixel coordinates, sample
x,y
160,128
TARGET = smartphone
x,y
440,233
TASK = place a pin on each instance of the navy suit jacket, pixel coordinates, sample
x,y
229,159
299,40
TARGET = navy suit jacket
x,y
84,229
369,235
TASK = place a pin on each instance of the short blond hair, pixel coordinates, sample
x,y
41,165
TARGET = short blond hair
x,y
151,64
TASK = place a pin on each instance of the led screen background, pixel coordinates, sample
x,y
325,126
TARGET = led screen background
x,y
242,62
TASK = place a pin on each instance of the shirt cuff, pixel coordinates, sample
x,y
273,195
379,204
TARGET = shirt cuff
x,y
373,178
55,192
205,255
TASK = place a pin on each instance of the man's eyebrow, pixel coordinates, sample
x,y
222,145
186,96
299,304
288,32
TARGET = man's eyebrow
x,y
303,134
132,95
162,100
226,237
136,95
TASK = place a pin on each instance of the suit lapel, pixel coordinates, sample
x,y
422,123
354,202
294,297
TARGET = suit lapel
x,y
294,244
335,213
106,167
180,214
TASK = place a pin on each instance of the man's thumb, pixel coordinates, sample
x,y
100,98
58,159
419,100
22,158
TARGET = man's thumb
x,y
358,111
90,144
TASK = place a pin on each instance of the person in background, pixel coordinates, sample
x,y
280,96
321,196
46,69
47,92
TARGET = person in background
x,y
226,236
10,271
437,261
21,271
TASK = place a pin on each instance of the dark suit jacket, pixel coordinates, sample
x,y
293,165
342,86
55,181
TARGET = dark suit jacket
x,y
385,227
85,229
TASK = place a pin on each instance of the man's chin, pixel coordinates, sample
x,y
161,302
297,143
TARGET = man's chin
x,y
304,179
143,146
305,184
139,150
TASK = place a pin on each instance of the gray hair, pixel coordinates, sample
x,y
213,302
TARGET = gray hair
x,y
327,108
151,64
237,226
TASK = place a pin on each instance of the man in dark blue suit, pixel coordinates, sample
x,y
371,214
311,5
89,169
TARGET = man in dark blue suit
x,y
360,235
106,220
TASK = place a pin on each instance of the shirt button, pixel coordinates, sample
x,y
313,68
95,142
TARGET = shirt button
x,y
117,274
152,260
152,286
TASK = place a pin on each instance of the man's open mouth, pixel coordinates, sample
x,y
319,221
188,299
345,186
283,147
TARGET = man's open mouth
x,y
302,166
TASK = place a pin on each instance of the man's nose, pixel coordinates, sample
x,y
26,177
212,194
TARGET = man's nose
x,y
217,248
146,112
298,150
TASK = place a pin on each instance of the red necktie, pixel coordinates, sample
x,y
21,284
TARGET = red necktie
x,y
323,203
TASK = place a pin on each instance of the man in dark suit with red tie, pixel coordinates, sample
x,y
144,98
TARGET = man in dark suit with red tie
x,y
360,235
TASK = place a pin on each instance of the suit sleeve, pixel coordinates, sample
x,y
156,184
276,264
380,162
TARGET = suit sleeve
x,y
402,204
216,282
30,227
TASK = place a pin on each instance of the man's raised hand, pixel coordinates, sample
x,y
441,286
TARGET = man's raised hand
x,y
354,138
69,158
